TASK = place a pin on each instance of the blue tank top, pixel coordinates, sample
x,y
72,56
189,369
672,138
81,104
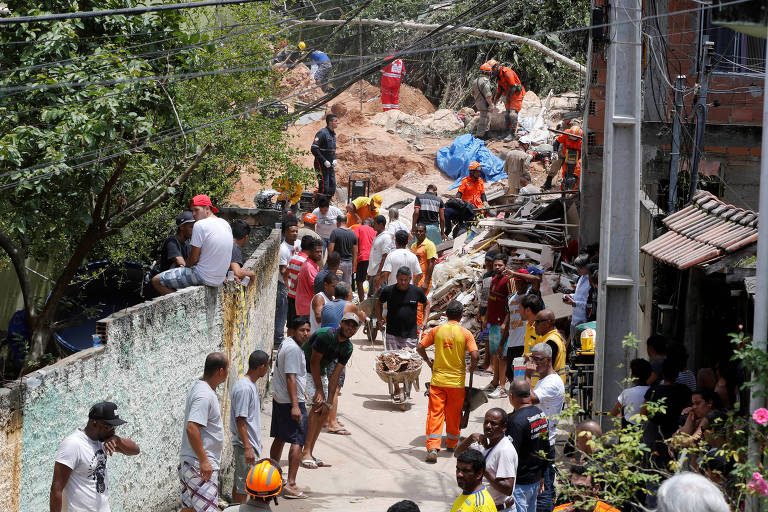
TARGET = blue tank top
x,y
332,313
319,57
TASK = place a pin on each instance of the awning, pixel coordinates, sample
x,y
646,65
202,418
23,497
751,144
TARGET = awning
x,y
703,232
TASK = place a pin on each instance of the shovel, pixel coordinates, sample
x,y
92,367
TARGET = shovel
x,y
465,407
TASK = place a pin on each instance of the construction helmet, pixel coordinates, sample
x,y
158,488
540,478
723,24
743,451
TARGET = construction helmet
x,y
264,480
474,165
488,66
377,200
302,45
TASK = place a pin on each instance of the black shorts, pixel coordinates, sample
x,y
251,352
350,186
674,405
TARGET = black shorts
x,y
362,271
286,428
291,311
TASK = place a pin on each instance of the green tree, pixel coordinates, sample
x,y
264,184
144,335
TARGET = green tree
x,y
107,136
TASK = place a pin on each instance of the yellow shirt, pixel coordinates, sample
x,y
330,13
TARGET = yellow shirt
x,y
478,501
451,342
559,363
530,337
425,251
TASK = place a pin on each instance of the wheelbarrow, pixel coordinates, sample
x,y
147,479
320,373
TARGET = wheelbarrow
x,y
406,378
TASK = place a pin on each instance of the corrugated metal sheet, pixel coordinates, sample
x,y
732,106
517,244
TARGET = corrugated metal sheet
x,y
702,232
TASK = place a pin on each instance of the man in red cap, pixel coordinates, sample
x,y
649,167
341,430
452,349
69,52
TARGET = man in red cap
x,y
209,255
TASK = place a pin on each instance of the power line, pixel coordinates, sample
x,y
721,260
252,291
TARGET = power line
x,y
129,11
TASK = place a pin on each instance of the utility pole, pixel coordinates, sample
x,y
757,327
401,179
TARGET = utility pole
x,y
701,115
674,163
360,73
617,310
760,329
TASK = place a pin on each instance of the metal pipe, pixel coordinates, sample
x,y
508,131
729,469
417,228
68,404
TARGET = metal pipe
x,y
760,329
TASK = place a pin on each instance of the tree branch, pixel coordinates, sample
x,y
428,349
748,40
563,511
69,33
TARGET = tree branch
x,y
126,217
492,34
17,257
102,197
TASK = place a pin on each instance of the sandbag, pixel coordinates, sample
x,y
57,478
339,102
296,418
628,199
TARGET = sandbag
x,y
454,160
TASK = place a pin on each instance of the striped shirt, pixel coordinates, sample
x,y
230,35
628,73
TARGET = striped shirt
x,y
429,208
478,501
294,267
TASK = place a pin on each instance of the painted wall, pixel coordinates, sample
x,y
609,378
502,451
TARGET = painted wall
x,y
153,353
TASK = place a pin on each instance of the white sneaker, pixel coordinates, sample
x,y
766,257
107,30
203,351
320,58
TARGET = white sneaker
x,y
498,393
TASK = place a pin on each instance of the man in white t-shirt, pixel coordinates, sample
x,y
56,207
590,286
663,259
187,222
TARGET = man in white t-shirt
x,y
203,439
289,246
400,257
382,246
289,414
80,481
210,252
500,458
395,225
631,400
548,394
326,220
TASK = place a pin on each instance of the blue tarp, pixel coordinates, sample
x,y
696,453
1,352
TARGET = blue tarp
x,y
454,160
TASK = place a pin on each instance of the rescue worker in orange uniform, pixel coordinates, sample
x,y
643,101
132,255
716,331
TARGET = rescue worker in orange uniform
x,y
472,188
446,391
509,87
568,148
391,76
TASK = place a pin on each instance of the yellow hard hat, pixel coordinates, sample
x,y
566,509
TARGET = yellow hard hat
x,y
377,200
302,45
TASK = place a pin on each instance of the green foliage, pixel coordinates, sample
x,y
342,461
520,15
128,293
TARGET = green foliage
x,y
103,143
443,74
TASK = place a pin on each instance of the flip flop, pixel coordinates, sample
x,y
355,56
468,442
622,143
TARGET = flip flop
x,y
309,464
322,464
340,432
300,496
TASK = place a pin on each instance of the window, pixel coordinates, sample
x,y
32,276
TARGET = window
x,y
591,139
592,107
734,52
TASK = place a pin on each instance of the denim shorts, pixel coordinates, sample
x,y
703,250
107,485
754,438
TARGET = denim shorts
x,y
179,277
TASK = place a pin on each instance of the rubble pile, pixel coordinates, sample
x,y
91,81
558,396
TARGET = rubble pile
x,y
405,360
299,80
443,122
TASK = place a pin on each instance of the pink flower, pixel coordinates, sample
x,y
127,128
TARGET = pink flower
x,y
761,417
758,484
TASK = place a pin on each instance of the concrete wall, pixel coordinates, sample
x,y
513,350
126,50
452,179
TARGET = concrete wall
x,y
153,353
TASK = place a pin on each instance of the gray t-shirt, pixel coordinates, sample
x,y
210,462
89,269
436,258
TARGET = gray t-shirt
x,y
203,408
246,403
290,359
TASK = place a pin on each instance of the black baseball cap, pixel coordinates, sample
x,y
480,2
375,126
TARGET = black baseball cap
x,y
106,412
184,217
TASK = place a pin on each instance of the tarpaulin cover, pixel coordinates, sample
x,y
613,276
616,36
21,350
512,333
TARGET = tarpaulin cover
x,y
454,160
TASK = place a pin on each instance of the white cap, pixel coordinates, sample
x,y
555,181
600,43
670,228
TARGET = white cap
x,y
351,316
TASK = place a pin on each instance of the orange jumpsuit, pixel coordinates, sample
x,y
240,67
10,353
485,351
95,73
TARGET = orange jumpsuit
x,y
506,80
571,151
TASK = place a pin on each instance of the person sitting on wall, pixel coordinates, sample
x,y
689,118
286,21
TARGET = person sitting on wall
x,y
80,472
175,249
209,255
241,232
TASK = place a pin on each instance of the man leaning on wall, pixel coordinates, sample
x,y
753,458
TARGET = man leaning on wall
x,y
203,438
80,473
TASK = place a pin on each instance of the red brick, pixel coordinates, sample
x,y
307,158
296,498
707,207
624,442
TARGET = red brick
x,y
719,115
757,115
741,115
738,151
754,151
714,149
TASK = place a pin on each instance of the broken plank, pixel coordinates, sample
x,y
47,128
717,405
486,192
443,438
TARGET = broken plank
x,y
407,189
523,245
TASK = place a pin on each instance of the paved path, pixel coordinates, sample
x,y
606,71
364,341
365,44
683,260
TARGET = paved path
x,y
382,462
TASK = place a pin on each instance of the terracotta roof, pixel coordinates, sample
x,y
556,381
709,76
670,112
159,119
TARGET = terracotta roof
x,y
702,232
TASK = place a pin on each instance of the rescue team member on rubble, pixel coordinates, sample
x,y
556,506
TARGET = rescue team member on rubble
x,y
567,150
429,210
391,76
321,69
509,87
80,473
446,390
362,208
324,150
483,95
472,188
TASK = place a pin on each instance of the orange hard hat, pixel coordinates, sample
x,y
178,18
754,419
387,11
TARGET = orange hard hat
x,y
309,218
488,66
264,480
474,165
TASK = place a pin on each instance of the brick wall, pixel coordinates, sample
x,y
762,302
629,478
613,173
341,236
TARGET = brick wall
x,y
153,353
